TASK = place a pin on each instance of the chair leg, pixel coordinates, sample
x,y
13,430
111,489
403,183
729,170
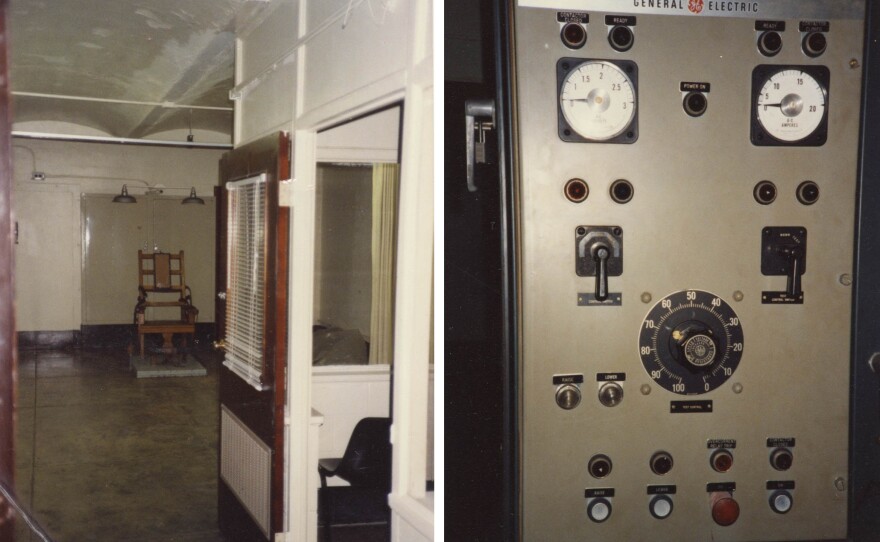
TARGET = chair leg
x,y
141,337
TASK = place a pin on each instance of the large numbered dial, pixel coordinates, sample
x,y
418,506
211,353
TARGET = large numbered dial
x,y
691,342
790,105
597,100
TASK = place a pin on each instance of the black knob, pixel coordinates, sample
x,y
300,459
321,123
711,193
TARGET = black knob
x,y
695,344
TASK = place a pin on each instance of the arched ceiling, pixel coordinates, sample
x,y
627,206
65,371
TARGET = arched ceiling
x,y
165,51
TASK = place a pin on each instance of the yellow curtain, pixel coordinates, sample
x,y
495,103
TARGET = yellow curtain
x,y
385,189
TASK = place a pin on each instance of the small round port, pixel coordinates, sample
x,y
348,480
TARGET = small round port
x,y
721,460
661,463
765,192
769,43
781,459
621,38
599,466
695,103
621,191
814,44
808,192
576,190
574,36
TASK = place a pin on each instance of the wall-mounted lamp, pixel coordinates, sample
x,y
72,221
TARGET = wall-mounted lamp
x,y
193,198
124,197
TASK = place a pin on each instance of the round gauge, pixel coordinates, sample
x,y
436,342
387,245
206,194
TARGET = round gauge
x,y
597,100
791,104
691,342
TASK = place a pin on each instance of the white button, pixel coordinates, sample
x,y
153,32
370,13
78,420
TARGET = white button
x,y
661,508
600,511
782,503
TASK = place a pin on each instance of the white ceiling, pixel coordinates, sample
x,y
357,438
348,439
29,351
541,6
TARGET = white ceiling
x,y
167,51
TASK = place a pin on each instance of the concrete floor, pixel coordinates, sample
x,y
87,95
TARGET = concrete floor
x,y
104,456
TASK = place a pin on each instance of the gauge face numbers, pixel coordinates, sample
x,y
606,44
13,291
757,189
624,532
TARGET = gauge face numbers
x,y
597,101
691,342
790,105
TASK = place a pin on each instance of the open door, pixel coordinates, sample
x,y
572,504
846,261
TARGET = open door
x,y
252,298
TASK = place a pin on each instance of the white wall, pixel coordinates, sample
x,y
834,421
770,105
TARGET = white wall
x,y
48,257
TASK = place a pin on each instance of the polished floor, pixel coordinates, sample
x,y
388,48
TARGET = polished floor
x,y
104,456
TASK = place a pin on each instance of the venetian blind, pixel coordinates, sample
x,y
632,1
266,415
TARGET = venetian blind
x,y
245,284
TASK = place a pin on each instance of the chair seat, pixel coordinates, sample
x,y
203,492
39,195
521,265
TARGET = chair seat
x,y
328,465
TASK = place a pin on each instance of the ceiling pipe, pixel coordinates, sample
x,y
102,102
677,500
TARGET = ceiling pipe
x,y
167,105
119,140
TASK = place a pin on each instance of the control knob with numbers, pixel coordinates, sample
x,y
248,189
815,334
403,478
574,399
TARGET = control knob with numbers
x,y
691,342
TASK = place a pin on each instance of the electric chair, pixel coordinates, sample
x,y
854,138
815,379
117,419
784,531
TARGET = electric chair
x,y
161,274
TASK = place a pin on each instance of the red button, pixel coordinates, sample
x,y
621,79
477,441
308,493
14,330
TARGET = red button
x,y
725,510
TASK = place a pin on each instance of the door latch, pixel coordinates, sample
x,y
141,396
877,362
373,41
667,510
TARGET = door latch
x,y
479,119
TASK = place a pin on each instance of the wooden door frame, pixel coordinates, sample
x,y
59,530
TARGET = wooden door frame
x,y
8,354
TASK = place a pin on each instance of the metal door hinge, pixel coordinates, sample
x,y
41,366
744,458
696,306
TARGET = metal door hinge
x,y
475,136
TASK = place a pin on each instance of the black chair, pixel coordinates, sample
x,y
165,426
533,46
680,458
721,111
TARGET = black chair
x,y
366,466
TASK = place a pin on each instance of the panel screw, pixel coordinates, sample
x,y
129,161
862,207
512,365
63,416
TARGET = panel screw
x,y
853,63
737,388
645,389
646,297
738,296
840,483
846,279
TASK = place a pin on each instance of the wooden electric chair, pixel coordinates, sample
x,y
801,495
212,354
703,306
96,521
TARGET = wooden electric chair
x,y
161,273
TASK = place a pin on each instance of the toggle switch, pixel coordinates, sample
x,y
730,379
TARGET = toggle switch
x,y
599,254
784,253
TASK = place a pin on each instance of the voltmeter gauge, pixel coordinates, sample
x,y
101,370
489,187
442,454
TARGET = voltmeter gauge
x,y
691,342
597,100
790,105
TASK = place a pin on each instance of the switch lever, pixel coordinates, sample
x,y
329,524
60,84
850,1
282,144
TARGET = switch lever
x,y
600,256
795,255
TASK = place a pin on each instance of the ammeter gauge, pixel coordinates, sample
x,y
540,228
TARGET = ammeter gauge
x,y
691,342
790,105
597,100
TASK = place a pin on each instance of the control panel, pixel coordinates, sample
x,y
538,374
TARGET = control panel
x,y
686,194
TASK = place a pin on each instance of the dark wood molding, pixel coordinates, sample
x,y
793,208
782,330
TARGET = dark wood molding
x,y
8,355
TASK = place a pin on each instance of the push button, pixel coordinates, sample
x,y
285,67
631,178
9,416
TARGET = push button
x,y
660,507
781,501
599,509
725,509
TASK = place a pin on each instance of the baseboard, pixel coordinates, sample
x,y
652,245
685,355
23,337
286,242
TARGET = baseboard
x,y
102,336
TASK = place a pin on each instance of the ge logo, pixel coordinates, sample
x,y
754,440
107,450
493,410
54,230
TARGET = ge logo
x,y
695,6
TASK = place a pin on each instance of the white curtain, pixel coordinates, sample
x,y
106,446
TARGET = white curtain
x,y
385,181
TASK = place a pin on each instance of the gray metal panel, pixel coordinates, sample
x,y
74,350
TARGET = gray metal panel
x,y
693,224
